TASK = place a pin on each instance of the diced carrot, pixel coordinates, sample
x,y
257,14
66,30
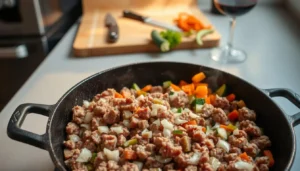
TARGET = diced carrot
x,y
175,87
230,97
191,122
125,93
200,84
269,154
203,129
189,89
245,157
212,98
207,100
147,88
227,128
201,91
234,115
140,92
118,95
241,104
129,155
198,77
182,83
209,91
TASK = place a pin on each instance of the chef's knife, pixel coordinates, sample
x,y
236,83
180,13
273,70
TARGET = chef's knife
x,y
113,29
148,20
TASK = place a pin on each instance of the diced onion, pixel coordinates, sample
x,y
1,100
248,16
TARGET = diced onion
x,y
163,160
84,155
194,160
193,115
222,133
167,133
139,164
102,100
179,121
74,138
198,107
126,123
166,124
243,166
217,125
103,129
88,117
236,132
215,163
147,134
173,96
117,129
86,126
86,103
224,145
111,155
156,107
174,110
157,122
127,114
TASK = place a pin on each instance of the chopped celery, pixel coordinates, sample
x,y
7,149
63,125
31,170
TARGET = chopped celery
x,y
167,84
178,132
130,142
136,87
222,90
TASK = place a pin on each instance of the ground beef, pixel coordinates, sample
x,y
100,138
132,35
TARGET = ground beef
x,y
78,114
121,140
230,157
199,136
235,150
142,153
111,117
233,105
253,131
126,92
89,144
151,162
191,168
168,167
206,110
180,99
246,114
95,123
150,148
156,89
69,144
218,115
204,157
144,113
79,167
262,142
130,167
206,167
99,158
170,150
246,123
221,102
209,143
72,128
109,141
143,124
95,136
251,149
237,142
217,153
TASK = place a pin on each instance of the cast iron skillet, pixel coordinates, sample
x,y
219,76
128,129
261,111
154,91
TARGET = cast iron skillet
x,y
270,116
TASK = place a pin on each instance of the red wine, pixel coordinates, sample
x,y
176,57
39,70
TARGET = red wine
x,y
235,7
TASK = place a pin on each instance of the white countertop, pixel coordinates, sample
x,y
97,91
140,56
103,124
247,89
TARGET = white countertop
x,y
268,34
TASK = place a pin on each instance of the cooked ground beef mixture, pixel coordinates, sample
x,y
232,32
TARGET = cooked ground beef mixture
x,y
165,128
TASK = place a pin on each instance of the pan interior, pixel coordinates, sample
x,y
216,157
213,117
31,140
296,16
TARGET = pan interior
x,y
269,116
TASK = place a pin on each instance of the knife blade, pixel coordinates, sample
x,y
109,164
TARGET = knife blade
x,y
148,20
113,29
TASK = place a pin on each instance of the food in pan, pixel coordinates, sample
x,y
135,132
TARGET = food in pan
x,y
170,127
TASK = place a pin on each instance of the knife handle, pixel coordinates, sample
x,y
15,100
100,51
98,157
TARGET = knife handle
x,y
132,15
113,34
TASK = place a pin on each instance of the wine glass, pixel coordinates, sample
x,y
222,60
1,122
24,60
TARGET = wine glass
x,y
231,8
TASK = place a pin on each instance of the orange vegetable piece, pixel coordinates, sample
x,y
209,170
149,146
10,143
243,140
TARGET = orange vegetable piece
x,y
175,87
125,94
198,77
209,91
182,83
269,154
189,89
140,92
147,88
234,115
200,84
201,91
212,98
191,122
230,97
129,155
227,128
203,129
207,100
118,95
244,156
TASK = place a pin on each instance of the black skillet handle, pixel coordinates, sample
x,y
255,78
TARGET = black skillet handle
x,y
291,96
14,130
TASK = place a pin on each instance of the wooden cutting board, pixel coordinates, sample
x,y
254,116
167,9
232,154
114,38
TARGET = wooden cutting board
x,y
134,35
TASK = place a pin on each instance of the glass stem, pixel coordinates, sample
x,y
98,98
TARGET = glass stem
x,y
231,33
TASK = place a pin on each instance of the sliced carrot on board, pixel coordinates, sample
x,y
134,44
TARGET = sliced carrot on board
x,y
198,77
230,97
269,154
175,87
118,95
147,88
